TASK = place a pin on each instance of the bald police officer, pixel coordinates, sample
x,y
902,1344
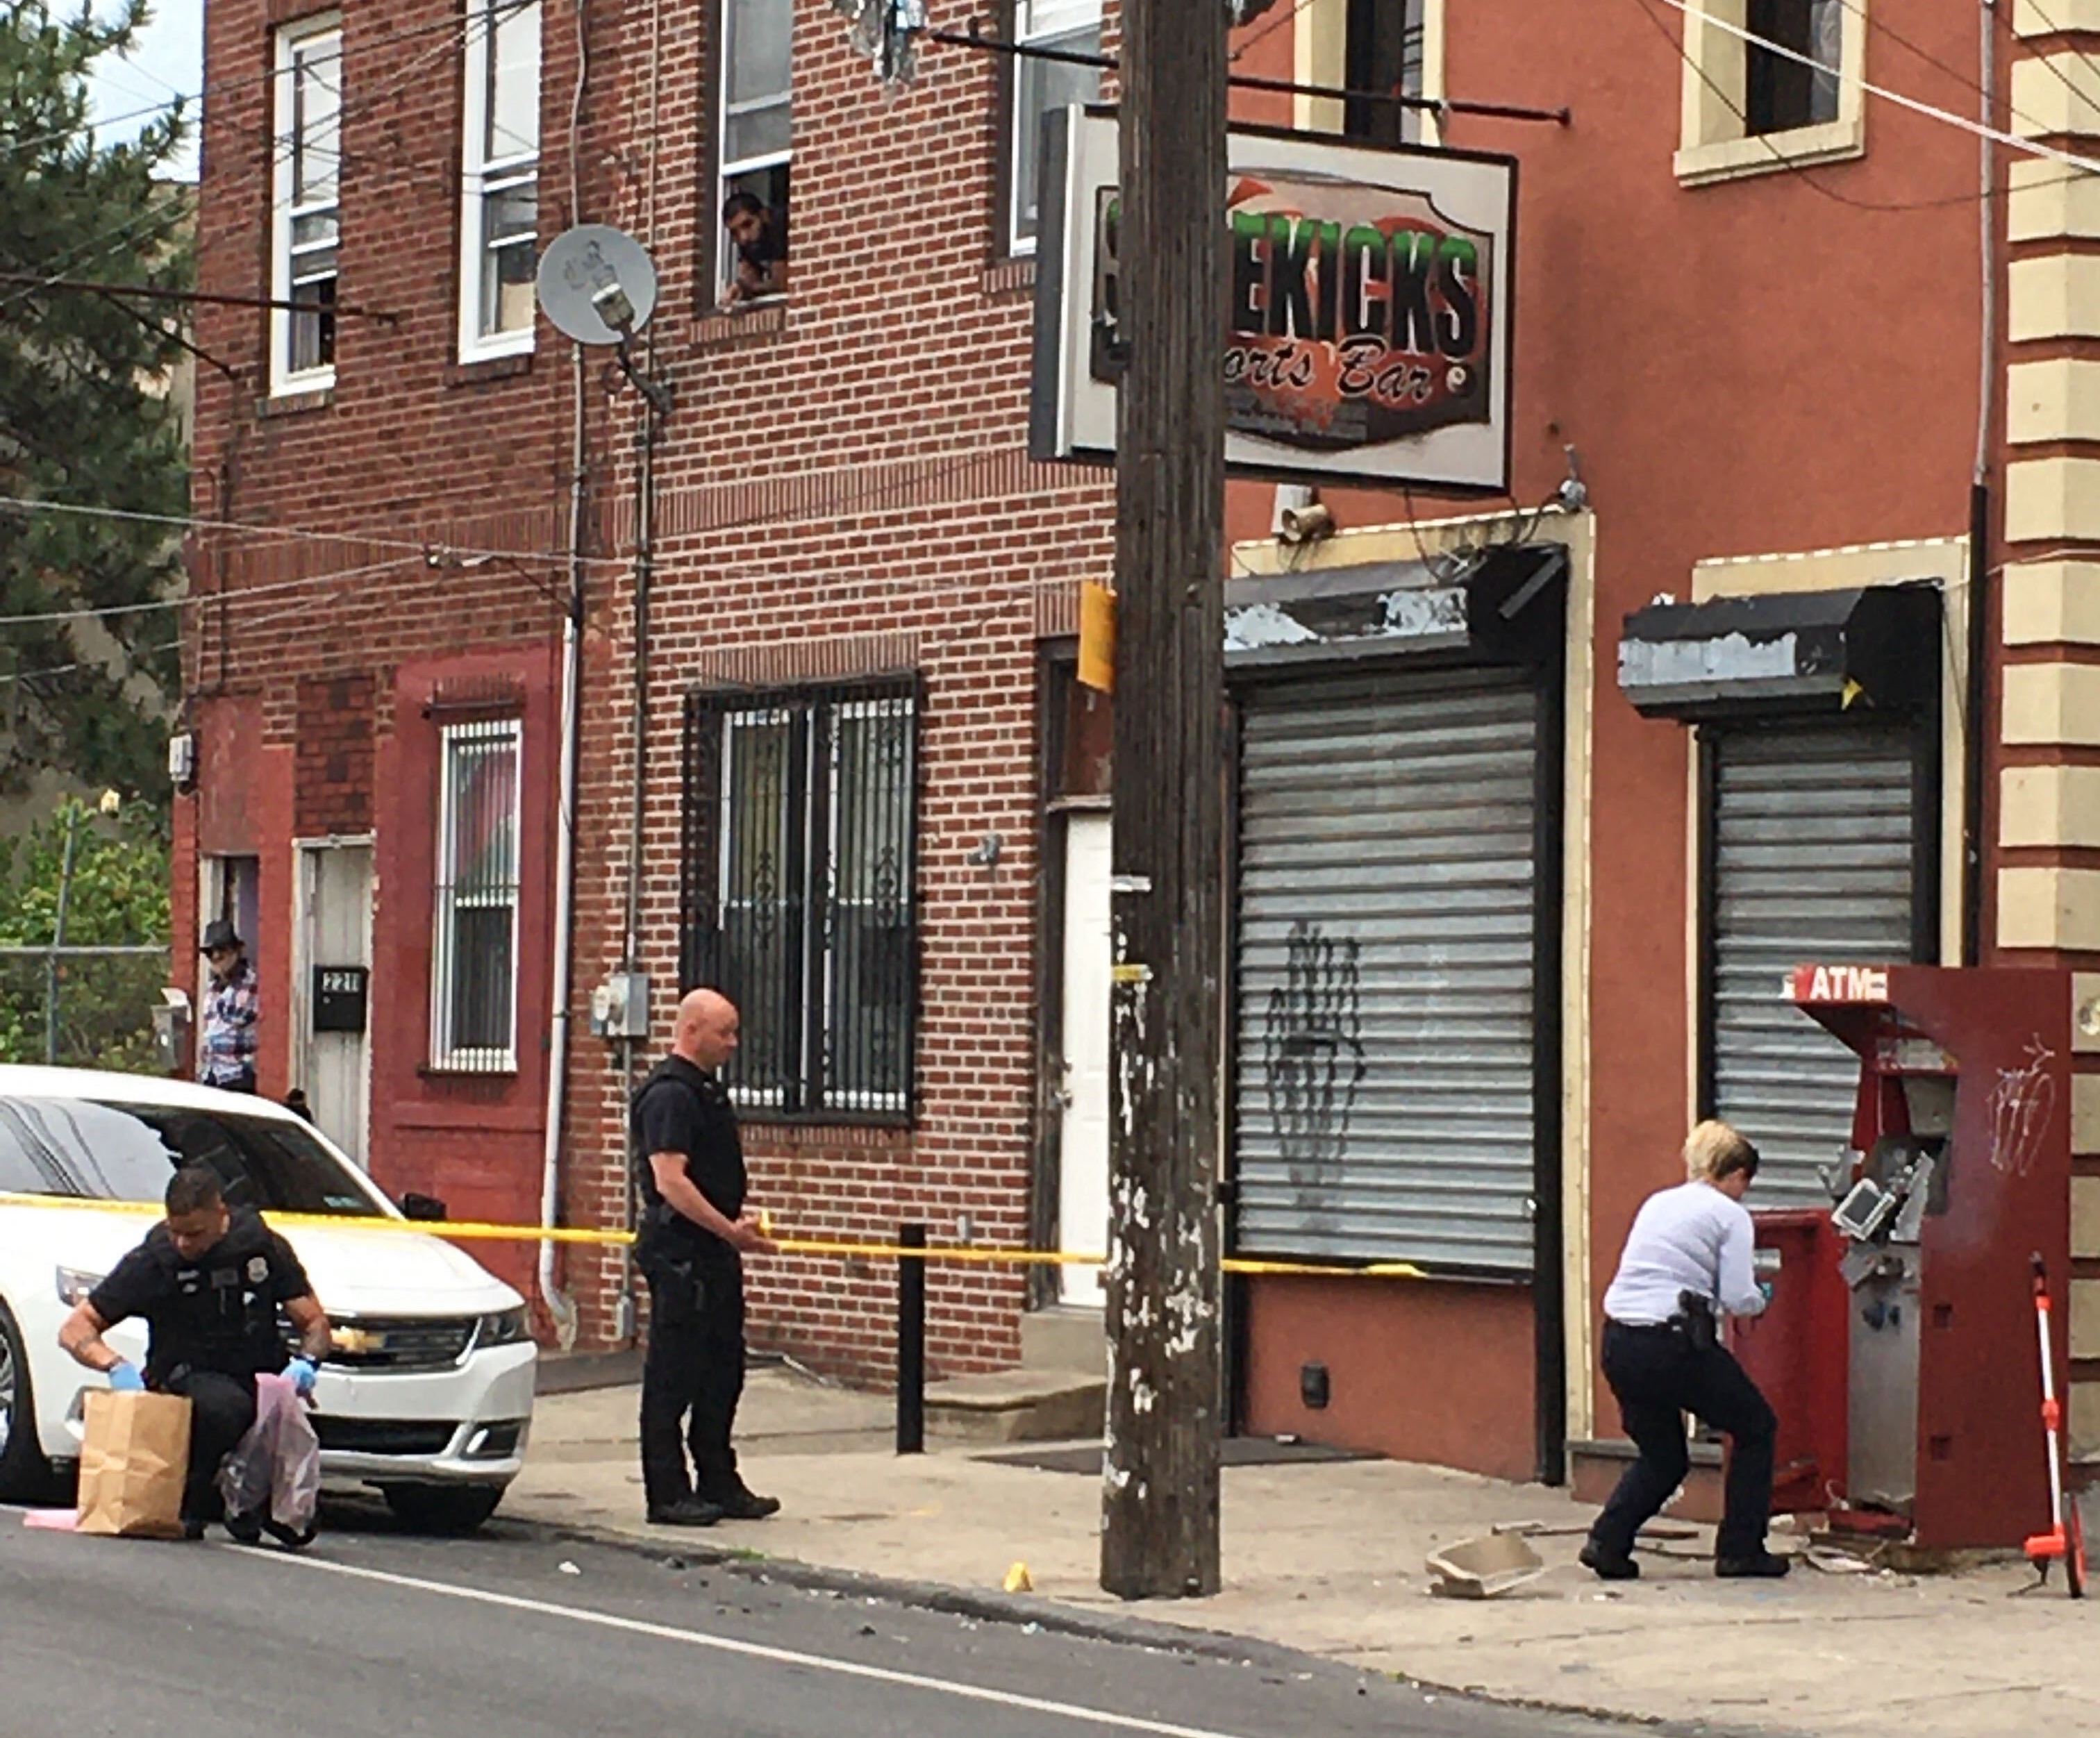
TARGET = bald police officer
x,y
694,1235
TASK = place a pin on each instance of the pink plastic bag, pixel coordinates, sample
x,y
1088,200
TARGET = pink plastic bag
x,y
276,1471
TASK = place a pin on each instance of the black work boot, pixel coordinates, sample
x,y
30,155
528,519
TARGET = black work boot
x,y
1764,1566
738,1503
1608,1565
687,1512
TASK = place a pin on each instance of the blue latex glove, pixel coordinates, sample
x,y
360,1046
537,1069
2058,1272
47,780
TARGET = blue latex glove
x,y
124,1378
300,1373
1765,1286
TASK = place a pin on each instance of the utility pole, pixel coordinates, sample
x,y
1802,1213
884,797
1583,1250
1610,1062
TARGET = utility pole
x,y
1160,1503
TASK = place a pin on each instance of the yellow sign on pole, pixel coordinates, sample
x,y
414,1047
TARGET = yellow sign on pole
x,y
1097,634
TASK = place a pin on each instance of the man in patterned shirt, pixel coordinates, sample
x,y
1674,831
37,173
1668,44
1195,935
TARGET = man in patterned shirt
x,y
226,1055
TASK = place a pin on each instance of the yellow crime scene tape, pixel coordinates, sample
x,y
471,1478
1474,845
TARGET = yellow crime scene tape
x,y
472,1231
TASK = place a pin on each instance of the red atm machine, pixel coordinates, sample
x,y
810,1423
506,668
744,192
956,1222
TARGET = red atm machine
x,y
1899,1348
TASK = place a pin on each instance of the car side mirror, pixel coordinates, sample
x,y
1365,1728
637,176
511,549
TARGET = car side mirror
x,y
422,1206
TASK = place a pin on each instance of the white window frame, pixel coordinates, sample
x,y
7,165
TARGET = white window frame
x,y
1035,22
447,1055
729,168
483,176
1714,144
317,42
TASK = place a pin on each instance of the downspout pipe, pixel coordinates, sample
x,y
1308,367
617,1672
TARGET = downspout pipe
x,y
560,1307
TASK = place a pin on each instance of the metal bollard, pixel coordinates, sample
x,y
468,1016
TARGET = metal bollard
x,y
911,1343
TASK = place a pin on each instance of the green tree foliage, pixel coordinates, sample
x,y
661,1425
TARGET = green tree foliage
x,y
117,896
85,415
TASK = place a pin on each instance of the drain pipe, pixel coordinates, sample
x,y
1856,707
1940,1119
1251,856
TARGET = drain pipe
x,y
559,1305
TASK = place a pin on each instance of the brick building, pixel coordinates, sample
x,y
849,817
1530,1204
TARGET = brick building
x,y
875,801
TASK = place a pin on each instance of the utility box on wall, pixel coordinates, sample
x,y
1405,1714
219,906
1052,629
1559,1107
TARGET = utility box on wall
x,y
619,1007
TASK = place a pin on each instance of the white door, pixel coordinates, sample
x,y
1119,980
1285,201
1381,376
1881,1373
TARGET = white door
x,y
1082,1198
335,1070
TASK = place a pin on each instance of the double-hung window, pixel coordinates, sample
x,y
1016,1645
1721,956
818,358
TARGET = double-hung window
x,y
755,135
473,951
1772,85
499,214
799,893
1037,87
305,217
1383,53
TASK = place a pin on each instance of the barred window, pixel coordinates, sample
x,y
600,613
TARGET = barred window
x,y
473,953
799,893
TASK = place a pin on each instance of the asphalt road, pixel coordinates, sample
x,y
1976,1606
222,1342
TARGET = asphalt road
x,y
374,1632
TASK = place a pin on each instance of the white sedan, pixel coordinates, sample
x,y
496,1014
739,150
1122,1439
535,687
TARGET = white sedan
x,y
427,1394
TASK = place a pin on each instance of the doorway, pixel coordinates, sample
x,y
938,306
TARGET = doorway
x,y
332,978
1082,1192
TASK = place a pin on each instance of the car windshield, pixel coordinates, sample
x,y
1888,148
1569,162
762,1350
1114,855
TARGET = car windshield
x,y
117,1152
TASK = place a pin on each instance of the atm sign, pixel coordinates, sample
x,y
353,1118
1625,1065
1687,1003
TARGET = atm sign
x,y
1840,983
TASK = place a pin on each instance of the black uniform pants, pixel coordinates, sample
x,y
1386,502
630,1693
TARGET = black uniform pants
x,y
692,1377
1659,1375
222,1410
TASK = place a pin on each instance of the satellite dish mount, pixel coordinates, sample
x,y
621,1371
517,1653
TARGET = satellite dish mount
x,y
598,285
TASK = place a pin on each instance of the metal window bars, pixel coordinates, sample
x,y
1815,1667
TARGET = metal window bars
x,y
473,953
799,893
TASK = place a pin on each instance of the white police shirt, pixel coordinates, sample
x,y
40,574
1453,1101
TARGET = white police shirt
x,y
1690,1239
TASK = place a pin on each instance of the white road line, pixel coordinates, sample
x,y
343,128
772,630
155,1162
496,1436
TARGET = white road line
x,y
753,1650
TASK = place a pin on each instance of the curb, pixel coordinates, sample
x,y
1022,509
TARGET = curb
x,y
1056,1618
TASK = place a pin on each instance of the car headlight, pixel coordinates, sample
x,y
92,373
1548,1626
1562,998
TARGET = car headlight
x,y
506,1327
74,1285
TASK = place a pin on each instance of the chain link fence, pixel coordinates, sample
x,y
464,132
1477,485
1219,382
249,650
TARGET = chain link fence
x,y
82,1007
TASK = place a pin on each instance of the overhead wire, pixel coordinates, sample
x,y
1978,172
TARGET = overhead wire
x,y
239,81
1781,51
420,547
1808,174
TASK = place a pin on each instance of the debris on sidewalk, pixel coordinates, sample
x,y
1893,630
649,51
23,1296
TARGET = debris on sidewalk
x,y
1484,1568
1018,1580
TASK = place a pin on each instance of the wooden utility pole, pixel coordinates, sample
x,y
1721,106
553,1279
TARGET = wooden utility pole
x,y
1160,1519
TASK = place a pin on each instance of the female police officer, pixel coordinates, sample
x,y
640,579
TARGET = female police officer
x,y
1688,1260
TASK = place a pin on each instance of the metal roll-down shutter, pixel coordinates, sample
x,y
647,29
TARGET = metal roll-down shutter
x,y
1386,1006
1814,859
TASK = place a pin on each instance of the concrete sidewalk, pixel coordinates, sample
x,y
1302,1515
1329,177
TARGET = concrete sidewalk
x,y
1327,1557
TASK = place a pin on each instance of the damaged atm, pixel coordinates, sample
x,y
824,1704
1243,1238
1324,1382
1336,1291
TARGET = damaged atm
x,y
1900,1349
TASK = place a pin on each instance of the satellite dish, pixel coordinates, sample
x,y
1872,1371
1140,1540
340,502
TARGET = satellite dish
x,y
598,285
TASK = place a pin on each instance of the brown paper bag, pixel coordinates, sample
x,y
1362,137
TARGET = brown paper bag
x,y
134,1458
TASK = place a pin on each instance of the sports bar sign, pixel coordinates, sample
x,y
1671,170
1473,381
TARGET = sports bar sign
x,y
1368,336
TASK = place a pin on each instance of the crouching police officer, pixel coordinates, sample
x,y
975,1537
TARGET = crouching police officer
x,y
1688,1260
209,1281
694,1235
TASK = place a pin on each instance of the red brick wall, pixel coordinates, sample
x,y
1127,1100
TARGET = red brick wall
x,y
847,469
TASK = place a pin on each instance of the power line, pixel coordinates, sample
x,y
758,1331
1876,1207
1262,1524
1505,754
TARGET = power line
x,y
1977,128
289,533
132,657
191,599
1805,173
381,39
215,299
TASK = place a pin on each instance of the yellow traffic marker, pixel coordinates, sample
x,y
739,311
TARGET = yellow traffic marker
x,y
1017,1580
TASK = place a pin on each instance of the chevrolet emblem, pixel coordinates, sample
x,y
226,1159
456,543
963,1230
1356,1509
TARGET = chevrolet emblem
x,y
357,1342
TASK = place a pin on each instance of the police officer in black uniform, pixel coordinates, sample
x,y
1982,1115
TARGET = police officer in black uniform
x,y
208,1280
694,1235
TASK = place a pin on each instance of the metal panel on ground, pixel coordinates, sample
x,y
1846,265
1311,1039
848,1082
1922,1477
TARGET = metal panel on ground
x,y
1385,997
1814,860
